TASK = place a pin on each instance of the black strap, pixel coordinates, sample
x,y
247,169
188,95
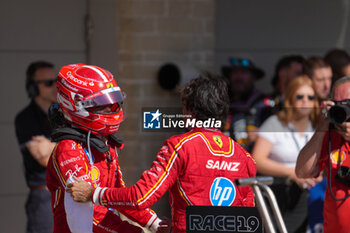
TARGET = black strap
x,y
331,126
67,133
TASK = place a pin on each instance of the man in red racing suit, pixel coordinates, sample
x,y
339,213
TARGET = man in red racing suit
x,y
198,167
70,159
86,120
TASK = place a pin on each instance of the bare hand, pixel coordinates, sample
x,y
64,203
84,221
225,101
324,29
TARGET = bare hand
x,y
40,147
344,130
307,183
80,190
164,226
324,121
252,134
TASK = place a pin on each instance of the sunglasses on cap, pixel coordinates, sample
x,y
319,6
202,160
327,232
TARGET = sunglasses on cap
x,y
240,62
309,97
47,83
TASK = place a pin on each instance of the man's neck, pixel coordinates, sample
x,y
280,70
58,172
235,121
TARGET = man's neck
x,y
43,104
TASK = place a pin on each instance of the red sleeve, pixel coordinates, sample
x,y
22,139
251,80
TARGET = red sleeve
x,y
251,170
250,161
151,186
69,160
251,165
111,222
146,217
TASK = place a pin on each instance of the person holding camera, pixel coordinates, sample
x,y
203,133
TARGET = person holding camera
x,y
320,72
279,141
329,150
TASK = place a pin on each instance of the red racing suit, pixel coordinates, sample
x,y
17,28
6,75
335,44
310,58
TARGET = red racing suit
x,y
198,168
71,158
335,213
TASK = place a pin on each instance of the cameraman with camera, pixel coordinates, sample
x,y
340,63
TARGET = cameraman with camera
x,y
329,150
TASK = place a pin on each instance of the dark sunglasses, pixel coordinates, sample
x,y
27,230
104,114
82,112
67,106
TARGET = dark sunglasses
x,y
240,62
309,97
47,83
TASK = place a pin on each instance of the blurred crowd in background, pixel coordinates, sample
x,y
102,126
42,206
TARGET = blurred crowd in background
x,y
274,127
264,124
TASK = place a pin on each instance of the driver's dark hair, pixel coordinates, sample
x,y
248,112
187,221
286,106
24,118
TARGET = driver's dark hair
x,y
206,97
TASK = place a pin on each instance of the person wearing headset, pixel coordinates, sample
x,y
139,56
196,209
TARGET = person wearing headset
x,y
32,132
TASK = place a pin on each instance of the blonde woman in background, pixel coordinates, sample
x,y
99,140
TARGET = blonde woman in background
x,y
279,141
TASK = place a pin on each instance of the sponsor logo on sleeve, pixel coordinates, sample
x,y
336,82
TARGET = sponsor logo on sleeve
x,y
95,174
72,173
338,157
84,177
68,161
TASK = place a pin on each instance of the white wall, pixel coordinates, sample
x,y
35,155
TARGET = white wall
x,y
34,30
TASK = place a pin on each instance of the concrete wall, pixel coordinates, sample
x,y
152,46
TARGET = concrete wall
x,y
133,38
151,33
33,30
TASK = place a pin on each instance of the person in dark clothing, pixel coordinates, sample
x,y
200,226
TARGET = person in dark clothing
x,y
339,60
287,68
32,132
247,106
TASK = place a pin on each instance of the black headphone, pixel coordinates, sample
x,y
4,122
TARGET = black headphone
x,y
31,86
32,89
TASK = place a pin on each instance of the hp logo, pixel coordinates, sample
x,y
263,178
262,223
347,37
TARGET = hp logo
x,y
222,192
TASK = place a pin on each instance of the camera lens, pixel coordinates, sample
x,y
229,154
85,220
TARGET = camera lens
x,y
337,114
